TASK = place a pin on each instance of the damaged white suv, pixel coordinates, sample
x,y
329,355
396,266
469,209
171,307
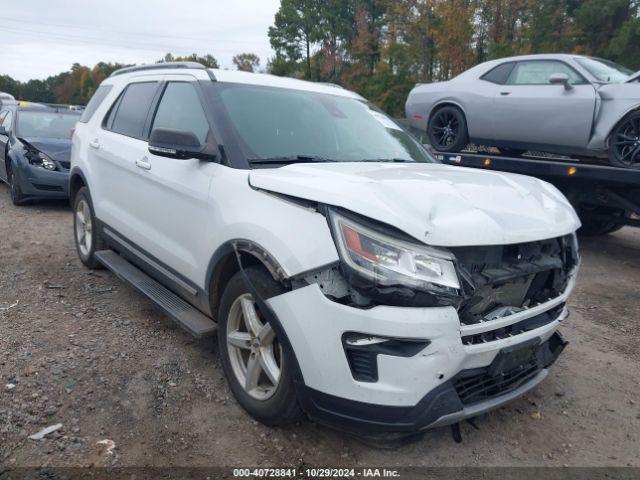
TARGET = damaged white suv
x,y
348,274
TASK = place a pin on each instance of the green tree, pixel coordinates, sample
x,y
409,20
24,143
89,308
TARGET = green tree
x,y
296,30
247,62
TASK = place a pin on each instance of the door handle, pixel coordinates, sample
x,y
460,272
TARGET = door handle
x,y
143,163
95,144
505,93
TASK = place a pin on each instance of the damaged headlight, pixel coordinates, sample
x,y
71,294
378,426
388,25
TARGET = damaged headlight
x,y
389,261
39,159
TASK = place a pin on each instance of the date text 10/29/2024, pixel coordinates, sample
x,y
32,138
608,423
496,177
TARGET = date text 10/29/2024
x,y
315,473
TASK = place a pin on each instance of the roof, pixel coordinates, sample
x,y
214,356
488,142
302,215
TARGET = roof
x,y
231,76
267,80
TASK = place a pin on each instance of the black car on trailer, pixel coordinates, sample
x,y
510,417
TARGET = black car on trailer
x,y
606,198
35,149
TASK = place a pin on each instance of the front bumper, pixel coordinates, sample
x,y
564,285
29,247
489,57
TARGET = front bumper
x,y
37,182
411,393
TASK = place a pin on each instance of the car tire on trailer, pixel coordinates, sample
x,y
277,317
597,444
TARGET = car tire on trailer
x,y
593,227
447,130
258,367
17,197
87,238
624,143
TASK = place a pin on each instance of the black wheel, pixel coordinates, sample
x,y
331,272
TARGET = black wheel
x,y
512,152
17,197
88,240
448,130
593,227
624,150
259,369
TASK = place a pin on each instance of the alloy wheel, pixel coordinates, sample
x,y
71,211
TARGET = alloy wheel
x,y
84,227
446,129
626,142
254,352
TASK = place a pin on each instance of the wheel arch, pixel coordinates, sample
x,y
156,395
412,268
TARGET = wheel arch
x,y
77,180
623,117
224,265
446,103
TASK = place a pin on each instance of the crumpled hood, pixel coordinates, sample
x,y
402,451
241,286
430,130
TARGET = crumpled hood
x,y
437,204
58,149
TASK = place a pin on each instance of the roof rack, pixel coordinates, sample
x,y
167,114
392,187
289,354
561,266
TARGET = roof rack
x,y
157,66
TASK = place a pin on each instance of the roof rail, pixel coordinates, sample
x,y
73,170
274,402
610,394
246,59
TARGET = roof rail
x,y
156,66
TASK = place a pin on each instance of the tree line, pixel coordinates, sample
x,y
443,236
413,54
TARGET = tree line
x,y
382,48
76,86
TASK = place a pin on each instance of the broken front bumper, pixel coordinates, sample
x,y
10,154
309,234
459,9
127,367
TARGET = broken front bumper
x,y
445,382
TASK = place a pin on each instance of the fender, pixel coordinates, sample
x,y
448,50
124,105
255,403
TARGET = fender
x,y
445,101
75,173
245,246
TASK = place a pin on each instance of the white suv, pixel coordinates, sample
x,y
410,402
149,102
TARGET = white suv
x,y
349,275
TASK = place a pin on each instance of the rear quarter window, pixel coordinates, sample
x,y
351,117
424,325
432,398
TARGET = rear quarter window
x,y
499,74
129,112
96,100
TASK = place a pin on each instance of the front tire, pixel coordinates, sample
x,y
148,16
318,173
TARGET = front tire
x,y
259,368
17,196
447,130
624,148
87,238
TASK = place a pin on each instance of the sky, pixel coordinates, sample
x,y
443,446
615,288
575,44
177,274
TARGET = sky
x,y
40,38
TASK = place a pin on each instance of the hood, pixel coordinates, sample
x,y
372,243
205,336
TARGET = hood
x,y
58,149
436,204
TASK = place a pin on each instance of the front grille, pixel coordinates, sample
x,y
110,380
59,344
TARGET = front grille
x,y
477,385
523,326
65,165
520,276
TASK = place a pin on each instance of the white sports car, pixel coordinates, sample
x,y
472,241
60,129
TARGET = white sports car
x,y
566,104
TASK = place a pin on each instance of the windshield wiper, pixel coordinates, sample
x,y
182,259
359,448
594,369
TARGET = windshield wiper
x,y
394,160
290,159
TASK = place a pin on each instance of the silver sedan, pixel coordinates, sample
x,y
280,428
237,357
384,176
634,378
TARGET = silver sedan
x,y
565,104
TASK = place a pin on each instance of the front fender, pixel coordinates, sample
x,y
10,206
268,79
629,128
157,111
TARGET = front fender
x,y
617,102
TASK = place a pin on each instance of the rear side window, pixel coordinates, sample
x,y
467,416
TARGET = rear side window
x,y
499,74
129,113
180,109
96,100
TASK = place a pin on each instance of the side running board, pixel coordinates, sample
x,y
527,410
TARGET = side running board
x,y
185,315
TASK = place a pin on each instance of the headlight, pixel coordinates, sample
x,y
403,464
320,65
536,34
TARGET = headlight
x,y
39,159
389,261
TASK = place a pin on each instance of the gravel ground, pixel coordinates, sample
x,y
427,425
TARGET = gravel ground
x,y
82,349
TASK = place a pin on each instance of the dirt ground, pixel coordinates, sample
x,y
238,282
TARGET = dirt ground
x,y
82,349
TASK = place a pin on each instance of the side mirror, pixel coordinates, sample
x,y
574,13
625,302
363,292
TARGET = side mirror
x,y
560,79
3,130
179,144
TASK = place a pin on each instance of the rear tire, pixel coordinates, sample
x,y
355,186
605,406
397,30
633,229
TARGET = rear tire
x,y
593,227
85,228
17,197
271,402
447,130
624,148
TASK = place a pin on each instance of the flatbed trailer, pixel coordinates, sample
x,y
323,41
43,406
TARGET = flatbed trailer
x,y
606,198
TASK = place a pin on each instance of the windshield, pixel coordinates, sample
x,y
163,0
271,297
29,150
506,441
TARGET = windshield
x,y
45,124
604,70
279,123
